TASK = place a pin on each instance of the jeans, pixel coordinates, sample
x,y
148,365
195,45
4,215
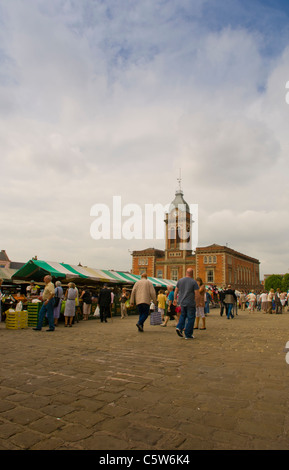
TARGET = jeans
x,y
46,309
187,320
143,310
229,310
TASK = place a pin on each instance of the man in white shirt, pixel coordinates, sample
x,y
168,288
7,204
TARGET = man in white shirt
x,y
264,301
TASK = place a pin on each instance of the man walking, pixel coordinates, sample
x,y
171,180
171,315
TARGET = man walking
x,y
230,300
222,304
142,294
48,305
185,297
104,301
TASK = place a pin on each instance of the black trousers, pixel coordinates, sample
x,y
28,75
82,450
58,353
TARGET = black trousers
x,y
104,311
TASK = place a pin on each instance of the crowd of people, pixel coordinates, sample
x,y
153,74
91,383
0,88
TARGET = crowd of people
x,y
267,301
54,297
188,303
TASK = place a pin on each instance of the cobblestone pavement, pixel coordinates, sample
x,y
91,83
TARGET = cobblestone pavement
x,y
106,386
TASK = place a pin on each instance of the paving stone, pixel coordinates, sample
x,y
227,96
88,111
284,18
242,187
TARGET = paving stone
x,y
109,387
47,424
6,405
25,440
89,404
147,435
73,433
113,410
8,429
57,410
102,441
20,415
48,444
86,418
6,444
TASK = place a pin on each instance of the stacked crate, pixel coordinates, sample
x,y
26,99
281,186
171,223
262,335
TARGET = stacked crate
x,y
33,309
16,320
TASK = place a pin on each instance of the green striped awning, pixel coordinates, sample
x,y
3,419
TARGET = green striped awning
x,y
37,269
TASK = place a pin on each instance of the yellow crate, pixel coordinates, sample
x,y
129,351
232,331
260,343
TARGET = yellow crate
x,y
13,327
16,320
16,326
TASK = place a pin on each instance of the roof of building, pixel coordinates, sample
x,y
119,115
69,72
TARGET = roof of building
x,y
16,264
179,202
215,247
3,256
149,252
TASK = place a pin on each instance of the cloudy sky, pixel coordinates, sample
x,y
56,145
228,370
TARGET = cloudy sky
x,y
103,98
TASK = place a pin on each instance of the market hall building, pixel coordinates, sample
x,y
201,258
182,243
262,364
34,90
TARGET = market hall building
x,y
216,265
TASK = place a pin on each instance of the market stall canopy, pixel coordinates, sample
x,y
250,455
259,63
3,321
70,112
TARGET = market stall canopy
x,y
36,270
132,278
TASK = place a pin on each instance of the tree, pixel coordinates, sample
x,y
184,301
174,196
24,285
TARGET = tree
x,y
274,282
285,283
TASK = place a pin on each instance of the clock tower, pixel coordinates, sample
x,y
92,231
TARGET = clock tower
x,y
178,227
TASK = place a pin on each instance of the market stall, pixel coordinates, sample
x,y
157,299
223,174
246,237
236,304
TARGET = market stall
x,y
94,278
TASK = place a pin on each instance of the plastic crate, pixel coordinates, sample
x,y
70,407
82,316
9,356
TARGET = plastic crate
x,y
33,309
16,320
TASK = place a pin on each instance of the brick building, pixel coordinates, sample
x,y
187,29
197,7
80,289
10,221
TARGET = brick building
x,y
216,264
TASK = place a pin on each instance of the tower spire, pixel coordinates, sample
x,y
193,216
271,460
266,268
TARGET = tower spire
x,y
179,180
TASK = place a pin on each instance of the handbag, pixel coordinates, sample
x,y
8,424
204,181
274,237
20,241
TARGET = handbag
x,y
56,299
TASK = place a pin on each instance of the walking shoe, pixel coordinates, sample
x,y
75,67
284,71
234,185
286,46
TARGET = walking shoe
x,y
179,332
140,328
36,329
189,337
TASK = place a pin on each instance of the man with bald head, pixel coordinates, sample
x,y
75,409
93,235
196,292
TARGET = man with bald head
x,y
185,297
48,305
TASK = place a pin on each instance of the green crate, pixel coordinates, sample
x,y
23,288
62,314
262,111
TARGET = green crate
x,y
33,309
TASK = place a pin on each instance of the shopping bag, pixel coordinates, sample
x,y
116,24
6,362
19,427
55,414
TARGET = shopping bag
x,y
156,317
97,312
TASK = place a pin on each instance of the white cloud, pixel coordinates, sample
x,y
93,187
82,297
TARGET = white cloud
x,y
112,98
